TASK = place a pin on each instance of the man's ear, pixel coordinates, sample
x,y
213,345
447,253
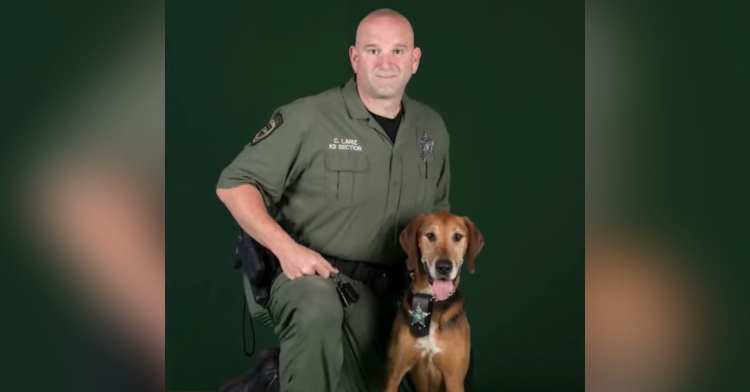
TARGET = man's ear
x,y
410,241
353,54
415,60
476,242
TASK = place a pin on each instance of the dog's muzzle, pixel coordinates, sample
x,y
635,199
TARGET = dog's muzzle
x,y
442,275
443,268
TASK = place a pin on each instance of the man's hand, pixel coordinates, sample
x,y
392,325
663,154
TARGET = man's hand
x,y
245,202
297,260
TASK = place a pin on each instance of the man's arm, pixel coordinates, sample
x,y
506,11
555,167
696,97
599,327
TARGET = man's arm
x,y
257,177
245,203
442,195
256,180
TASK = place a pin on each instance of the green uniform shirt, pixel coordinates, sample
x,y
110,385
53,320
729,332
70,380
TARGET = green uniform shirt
x,y
338,177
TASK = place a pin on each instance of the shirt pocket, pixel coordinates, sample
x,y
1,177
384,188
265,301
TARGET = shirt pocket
x,y
429,174
346,178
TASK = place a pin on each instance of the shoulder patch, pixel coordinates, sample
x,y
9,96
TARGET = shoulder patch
x,y
273,124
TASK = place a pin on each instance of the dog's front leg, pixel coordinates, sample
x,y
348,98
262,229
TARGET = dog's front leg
x,y
454,372
397,365
453,382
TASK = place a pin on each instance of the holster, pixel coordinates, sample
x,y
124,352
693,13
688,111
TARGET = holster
x,y
258,263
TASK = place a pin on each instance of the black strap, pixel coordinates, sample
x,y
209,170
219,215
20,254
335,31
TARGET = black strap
x,y
382,280
252,327
354,270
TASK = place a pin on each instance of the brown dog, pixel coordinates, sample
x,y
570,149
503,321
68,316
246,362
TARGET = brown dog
x,y
430,340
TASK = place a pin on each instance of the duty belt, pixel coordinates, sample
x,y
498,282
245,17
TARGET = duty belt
x,y
381,279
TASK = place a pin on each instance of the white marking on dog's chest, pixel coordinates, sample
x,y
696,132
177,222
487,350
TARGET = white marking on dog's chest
x,y
427,345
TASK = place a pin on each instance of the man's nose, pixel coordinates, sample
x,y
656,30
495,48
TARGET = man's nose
x,y
386,60
443,266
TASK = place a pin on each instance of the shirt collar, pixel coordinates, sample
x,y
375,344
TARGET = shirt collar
x,y
354,104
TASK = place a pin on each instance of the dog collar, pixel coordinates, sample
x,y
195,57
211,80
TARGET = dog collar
x,y
420,314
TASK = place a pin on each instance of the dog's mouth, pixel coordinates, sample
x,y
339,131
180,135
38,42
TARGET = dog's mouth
x,y
442,287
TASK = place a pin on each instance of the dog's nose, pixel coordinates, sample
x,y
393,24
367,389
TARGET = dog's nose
x,y
444,267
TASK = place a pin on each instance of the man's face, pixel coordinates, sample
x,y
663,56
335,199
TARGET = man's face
x,y
384,57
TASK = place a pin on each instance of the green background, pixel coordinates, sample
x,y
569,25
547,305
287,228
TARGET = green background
x,y
508,79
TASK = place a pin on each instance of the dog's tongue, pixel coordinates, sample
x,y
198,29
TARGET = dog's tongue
x,y
442,289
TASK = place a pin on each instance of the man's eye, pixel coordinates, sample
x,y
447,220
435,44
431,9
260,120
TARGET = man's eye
x,y
372,51
398,51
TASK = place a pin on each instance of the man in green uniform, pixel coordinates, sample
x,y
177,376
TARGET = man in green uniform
x,y
349,167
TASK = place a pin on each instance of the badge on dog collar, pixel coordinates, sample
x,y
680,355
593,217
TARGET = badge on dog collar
x,y
418,316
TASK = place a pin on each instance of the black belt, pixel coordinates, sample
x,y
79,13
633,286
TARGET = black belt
x,y
382,280
363,272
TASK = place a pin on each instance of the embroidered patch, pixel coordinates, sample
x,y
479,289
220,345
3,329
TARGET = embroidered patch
x,y
273,124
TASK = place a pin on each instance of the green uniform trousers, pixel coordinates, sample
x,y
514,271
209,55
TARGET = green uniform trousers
x,y
326,347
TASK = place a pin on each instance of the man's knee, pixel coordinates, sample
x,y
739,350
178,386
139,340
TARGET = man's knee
x,y
318,317
309,304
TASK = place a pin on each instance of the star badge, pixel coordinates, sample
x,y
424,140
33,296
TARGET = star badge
x,y
418,316
428,146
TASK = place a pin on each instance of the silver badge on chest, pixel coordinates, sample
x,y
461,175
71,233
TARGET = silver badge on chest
x,y
428,147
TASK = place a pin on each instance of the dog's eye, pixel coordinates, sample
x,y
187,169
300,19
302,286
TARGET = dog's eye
x,y
430,236
457,237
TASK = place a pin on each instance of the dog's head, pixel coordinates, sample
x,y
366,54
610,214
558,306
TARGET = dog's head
x,y
436,245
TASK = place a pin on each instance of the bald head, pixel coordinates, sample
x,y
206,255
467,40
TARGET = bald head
x,y
384,18
384,56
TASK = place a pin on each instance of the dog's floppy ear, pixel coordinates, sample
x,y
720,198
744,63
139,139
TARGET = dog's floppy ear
x,y
476,242
410,242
